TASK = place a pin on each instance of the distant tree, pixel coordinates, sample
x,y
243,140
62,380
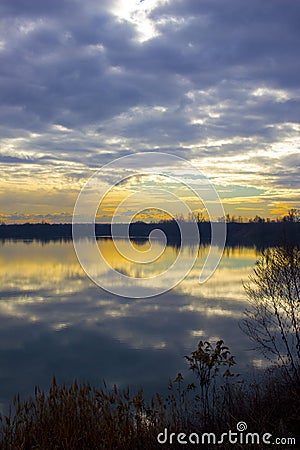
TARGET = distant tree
x,y
273,316
258,219
229,218
293,215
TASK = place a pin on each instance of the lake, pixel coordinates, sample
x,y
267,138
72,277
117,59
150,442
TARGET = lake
x,y
55,321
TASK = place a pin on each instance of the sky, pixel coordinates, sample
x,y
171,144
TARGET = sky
x,y
85,82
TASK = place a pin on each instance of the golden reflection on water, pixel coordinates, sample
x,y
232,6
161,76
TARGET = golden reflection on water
x,y
35,265
44,283
148,265
226,282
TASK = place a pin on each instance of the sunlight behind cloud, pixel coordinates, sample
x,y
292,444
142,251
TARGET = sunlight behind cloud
x,y
137,13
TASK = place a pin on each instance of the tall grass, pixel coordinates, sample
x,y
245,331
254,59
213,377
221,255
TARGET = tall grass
x,y
81,417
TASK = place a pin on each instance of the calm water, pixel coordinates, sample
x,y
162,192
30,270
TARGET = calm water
x,y
55,321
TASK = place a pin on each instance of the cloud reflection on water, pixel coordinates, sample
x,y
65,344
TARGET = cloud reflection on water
x,y
54,320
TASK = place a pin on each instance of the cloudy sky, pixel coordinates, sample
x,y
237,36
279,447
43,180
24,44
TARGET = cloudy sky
x,y
84,82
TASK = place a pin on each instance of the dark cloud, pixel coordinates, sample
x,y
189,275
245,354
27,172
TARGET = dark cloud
x,y
14,160
247,40
34,8
83,66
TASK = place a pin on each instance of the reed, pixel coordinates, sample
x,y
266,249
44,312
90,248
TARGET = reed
x,y
80,416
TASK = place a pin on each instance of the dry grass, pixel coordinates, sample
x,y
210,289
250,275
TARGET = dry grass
x,y
83,417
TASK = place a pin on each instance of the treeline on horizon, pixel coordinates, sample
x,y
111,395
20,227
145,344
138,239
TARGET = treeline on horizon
x,y
258,233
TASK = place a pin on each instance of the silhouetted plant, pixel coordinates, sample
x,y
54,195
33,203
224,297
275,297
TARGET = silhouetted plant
x,y
205,362
273,316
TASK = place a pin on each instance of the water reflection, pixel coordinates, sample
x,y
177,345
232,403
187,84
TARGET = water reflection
x,y
54,320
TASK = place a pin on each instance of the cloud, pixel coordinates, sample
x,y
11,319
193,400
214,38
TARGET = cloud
x,y
213,80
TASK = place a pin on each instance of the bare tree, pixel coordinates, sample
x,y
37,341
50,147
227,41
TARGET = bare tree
x,y
273,316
